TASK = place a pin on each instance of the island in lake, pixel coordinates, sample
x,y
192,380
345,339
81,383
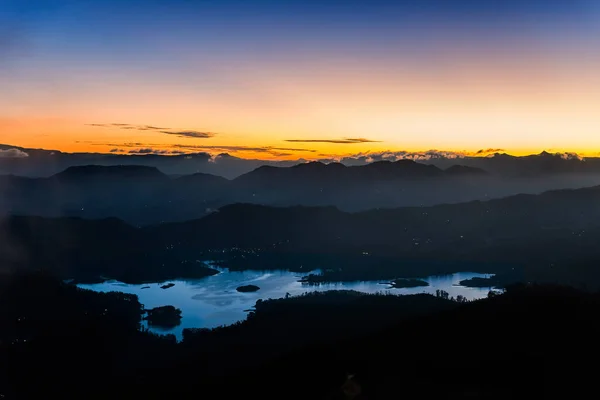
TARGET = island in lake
x,y
248,288
408,283
498,281
165,316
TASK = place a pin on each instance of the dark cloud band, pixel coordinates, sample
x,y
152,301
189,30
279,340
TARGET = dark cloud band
x,y
336,141
166,131
191,134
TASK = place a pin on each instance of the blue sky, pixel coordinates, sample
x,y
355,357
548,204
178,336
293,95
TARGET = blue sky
x,y
297,69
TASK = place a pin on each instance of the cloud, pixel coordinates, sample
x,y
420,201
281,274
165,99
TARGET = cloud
x,y
158,148
156,128
130,144
139,127
570,156
167,131
389,155
489,151
274,151
191,134
142,151
115,150
13,153
129,126
369,157
352,159
336,141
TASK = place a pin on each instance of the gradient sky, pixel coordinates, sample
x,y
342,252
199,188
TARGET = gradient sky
x,y
287,79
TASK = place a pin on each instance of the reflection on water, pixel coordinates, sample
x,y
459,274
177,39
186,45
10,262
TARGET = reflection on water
x,y
214,301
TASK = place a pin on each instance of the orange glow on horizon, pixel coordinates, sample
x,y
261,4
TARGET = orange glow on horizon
x,y
465,103
65,142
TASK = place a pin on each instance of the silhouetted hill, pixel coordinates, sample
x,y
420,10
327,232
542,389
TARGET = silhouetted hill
x,y
89,250
550,237
538,337
95,337
113,174
44,163
399,169
136,193
548,233
317,173
142,195
472,221
535,165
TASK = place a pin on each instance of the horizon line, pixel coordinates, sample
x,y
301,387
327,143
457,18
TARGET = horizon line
x,y
416,155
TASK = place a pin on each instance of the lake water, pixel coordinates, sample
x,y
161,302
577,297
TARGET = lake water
x,y
213,301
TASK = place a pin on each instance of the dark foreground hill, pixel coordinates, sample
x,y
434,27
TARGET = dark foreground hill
x,y
532,342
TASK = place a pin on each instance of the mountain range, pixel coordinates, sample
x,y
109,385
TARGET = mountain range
x,y
36,163
534,165
44,163
144,195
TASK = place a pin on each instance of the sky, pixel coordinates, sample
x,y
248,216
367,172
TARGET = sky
x,y
297,79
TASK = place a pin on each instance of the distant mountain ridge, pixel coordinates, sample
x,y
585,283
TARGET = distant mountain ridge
x,y
145,195
534,165
43,163
336,173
